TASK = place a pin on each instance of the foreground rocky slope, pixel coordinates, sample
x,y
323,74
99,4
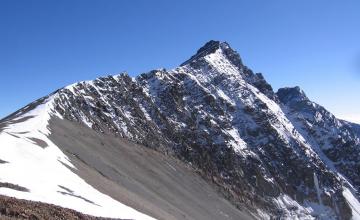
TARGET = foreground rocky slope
x,y
265,152
11,208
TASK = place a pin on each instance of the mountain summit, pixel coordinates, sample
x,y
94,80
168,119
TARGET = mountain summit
x,y
211,47
294,94
172,144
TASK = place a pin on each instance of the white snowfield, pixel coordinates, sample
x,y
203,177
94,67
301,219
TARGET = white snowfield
x,y
46,171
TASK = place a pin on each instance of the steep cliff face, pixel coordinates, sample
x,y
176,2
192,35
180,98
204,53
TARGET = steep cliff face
x,y
261,149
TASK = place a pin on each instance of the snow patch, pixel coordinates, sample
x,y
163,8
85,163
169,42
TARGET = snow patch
x,y
237,143
292,209
319,211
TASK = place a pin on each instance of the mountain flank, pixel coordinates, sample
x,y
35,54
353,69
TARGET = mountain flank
x,y
209,139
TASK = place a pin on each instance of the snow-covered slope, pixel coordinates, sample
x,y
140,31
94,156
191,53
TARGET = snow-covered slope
x,y
40,171
259,148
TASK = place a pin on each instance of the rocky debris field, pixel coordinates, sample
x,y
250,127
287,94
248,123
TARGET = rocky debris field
x,y
11,208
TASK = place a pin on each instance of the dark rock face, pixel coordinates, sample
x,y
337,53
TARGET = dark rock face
x,y
217,115
292,96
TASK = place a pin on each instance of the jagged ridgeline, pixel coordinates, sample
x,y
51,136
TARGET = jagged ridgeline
x,y
270,154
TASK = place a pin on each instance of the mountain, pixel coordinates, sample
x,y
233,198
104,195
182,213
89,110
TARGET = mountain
x,y
209,139
336,141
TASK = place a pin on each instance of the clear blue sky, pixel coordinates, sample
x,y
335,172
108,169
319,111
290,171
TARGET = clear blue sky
x,y
45,45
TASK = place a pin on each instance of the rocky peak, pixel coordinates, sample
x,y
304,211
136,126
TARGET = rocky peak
x,y
219,55
210,48
291,94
